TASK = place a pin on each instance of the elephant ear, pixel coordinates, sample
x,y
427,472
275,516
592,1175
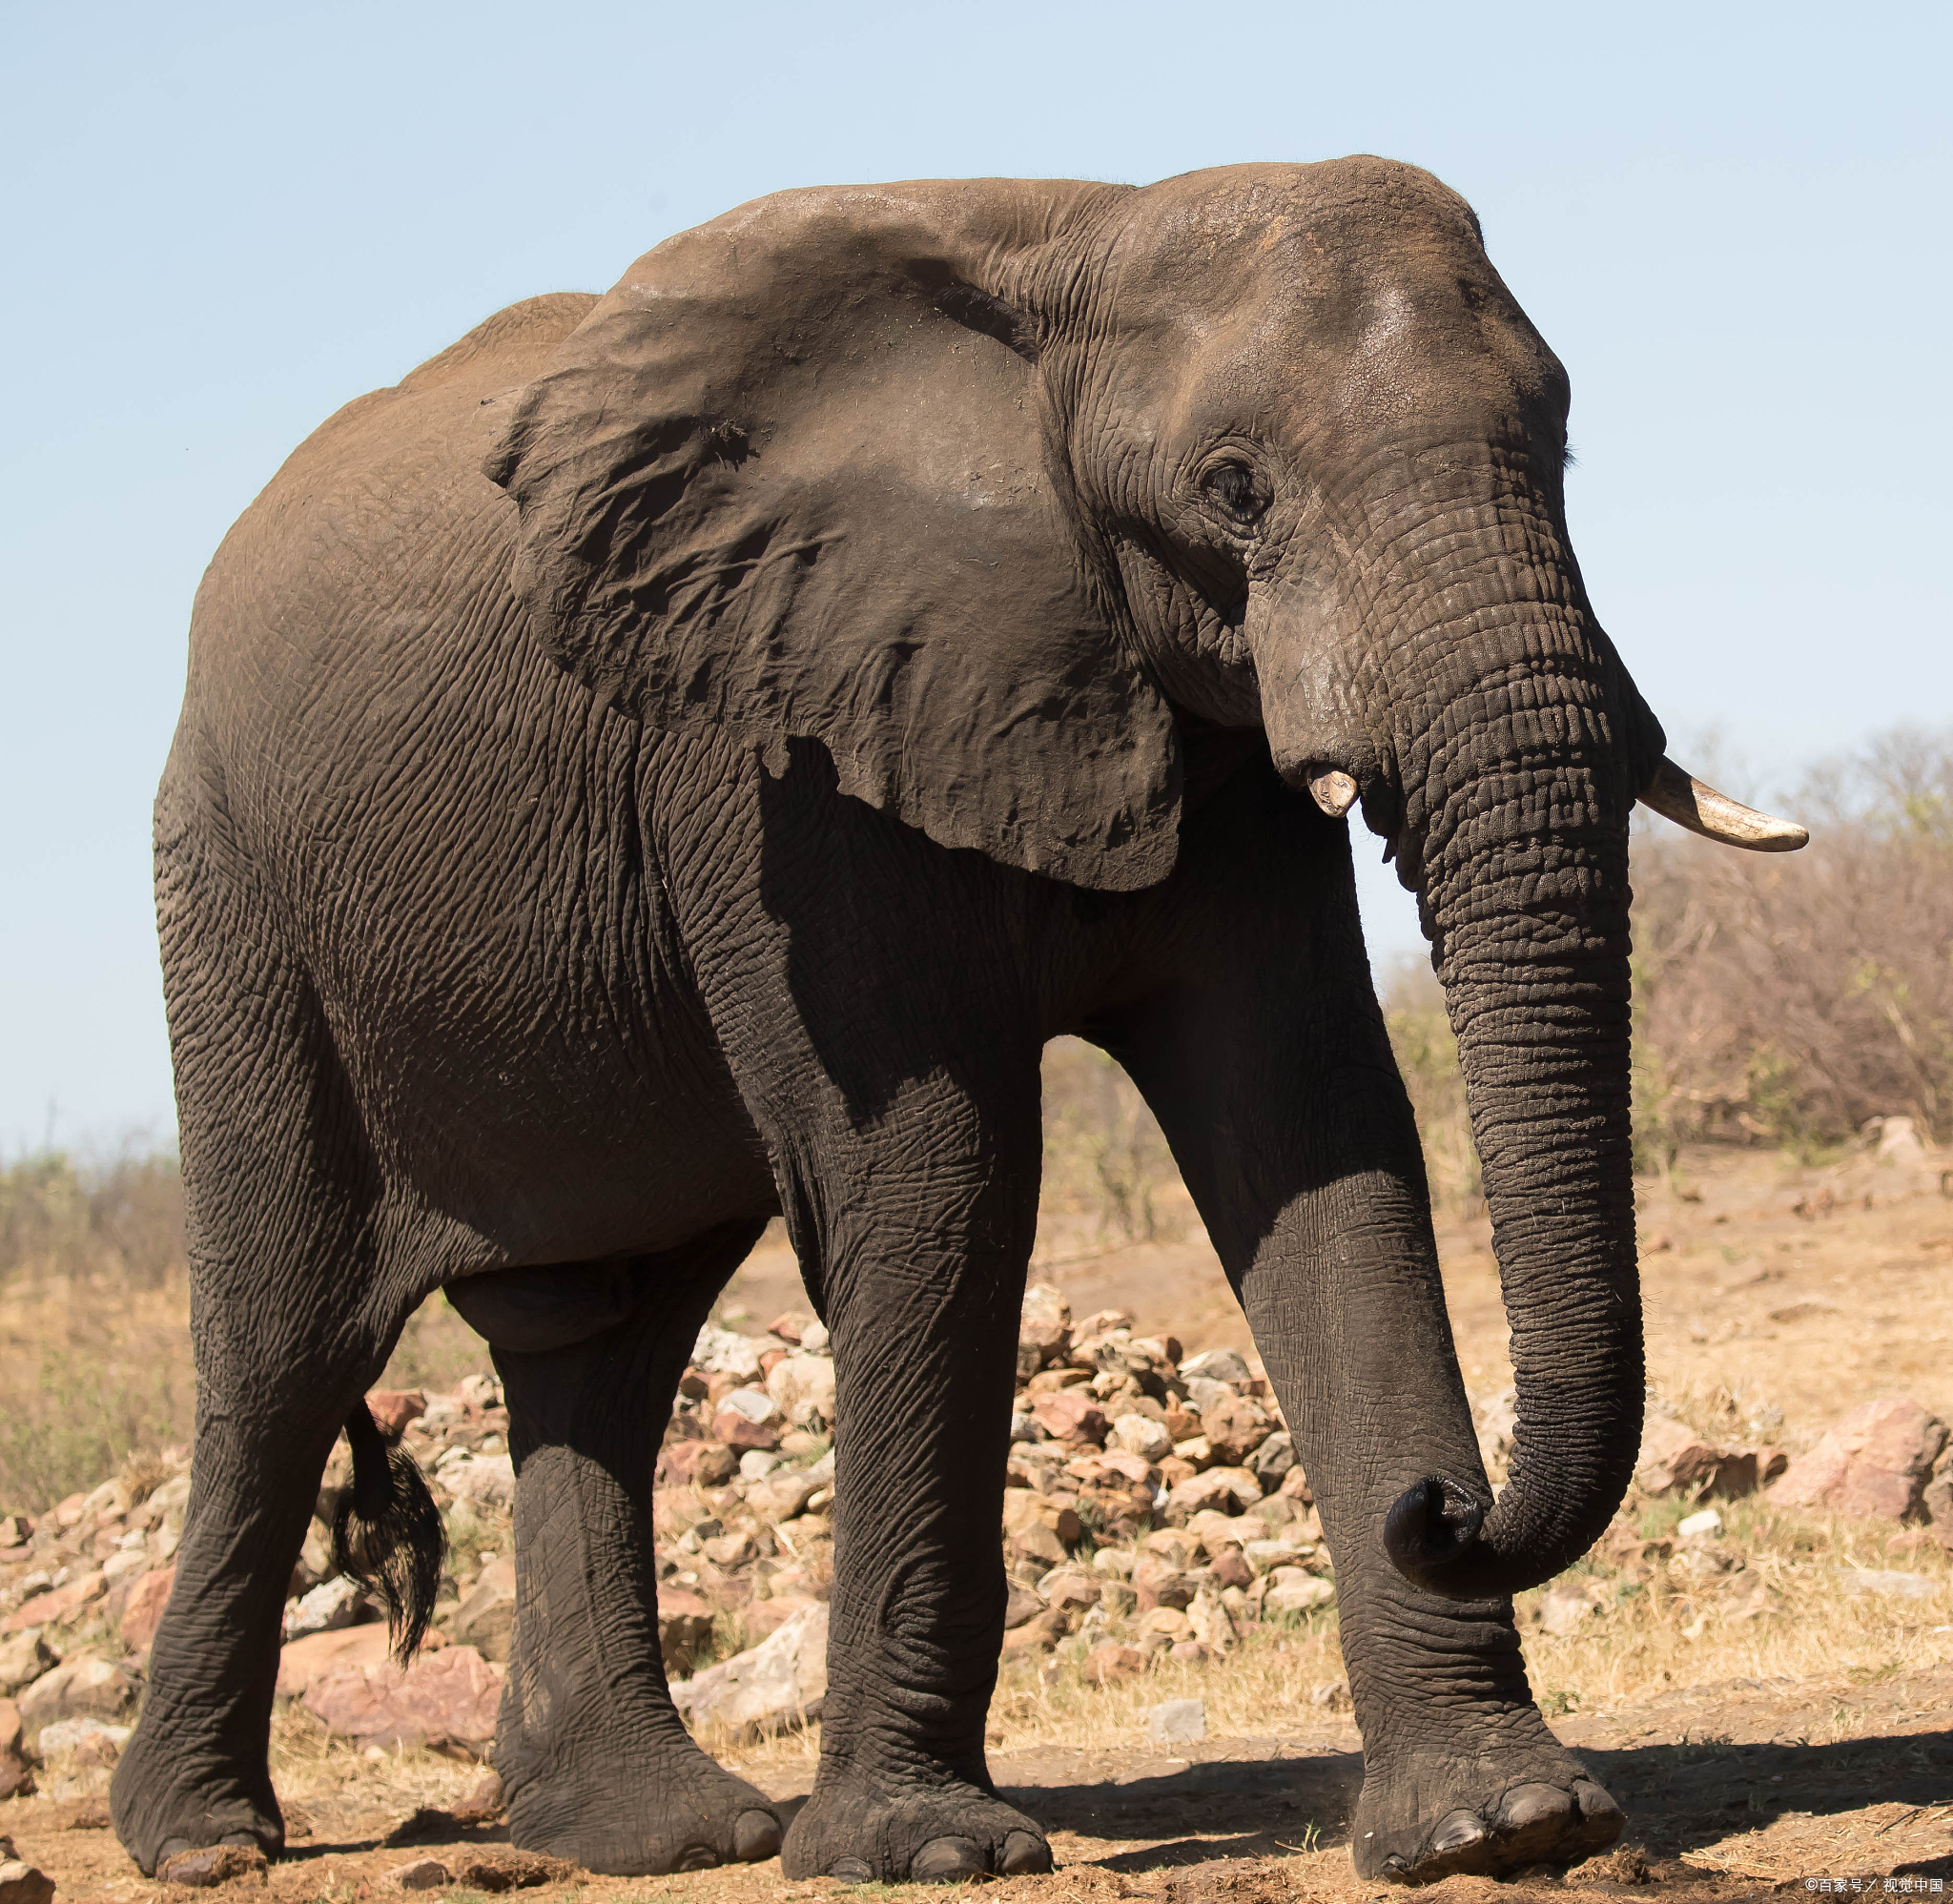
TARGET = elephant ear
x,y
796,475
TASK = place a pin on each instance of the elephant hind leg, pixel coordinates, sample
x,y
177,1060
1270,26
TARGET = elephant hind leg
x,y
595,1760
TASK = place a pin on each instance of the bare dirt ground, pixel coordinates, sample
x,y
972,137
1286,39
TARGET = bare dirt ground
x,y
1767,1730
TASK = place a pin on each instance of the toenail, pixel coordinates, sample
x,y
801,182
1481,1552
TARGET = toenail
x,y
1596,1802
697,1857
851,1870
1532,1804
1457,1830
947,1861
755,1836
1023,1854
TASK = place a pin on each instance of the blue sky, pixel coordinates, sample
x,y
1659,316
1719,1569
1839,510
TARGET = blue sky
x,y
1730,222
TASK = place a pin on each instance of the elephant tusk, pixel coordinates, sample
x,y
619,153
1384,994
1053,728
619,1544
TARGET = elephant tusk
x,y
1680,797
1334,791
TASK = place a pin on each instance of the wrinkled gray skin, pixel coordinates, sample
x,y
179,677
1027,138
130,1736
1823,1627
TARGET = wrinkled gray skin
x,y
679,757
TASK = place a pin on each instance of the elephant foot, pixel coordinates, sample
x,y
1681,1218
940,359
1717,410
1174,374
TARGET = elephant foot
x,y
645,1822
1481,1815
160,1816
944,1835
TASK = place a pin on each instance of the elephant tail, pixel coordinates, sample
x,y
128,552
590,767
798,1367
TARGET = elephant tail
x,y
386,1533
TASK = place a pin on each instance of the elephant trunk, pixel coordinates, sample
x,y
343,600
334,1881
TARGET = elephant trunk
x,y
1522,863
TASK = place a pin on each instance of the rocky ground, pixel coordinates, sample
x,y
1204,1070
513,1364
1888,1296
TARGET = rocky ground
x,y
1759,1655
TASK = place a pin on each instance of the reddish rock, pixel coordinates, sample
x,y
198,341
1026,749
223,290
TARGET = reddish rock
x,y
142,1612
1875,1461
306,1661
1230,1568
685,1629
393,1408
1071,1416
57,1607
693,1385
1295,1486
1675,1460
446,1699
16,1776
1106,1664
69,1512
1160,1583
1045,1331
789,1327
700,1464
1183,1424
1235,1428
747,1419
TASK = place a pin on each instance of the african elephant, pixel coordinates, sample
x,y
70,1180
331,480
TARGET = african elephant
x,y
677,757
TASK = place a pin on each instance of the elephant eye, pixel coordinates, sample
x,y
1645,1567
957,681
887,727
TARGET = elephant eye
x,y
1232,487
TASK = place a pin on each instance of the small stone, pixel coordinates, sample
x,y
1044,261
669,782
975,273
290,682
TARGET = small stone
x,y
1273,1459
1022,1606
1045,1331
330,1607
701,1463
1229,1490
1107,1664
724,1352
15,1530
1235,1428
802,1387
1332,1695
1700,1527
1231,1569
22,1883
16,1775
425,1874
727,1551
1168,1621
1292,1591
24,1659
1177,1722
1675,1460
1141,1436
791,1326
747,1418
1214,1365
1159,1583
1071,1416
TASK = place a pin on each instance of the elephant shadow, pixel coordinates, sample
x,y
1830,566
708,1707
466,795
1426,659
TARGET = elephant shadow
x,y
1678,1797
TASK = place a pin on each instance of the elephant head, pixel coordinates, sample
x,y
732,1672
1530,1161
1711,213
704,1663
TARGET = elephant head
x,y
995,487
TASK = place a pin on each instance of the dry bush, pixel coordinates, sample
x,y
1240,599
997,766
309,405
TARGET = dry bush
x,y
1104,1154
1790,998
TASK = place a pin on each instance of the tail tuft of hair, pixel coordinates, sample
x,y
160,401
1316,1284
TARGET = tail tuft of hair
x,y
388,1533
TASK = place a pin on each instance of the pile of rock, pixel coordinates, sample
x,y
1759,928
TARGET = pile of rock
x,y
1154,1506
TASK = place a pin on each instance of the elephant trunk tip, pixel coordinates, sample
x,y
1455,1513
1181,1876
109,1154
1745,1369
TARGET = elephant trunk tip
x,y
1432,1526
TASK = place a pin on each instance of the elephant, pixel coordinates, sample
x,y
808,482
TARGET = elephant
x,y
676,757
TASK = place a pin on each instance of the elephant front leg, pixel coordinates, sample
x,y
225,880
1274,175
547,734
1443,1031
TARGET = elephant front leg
x,y
924,1267
1298,1144
596,1763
